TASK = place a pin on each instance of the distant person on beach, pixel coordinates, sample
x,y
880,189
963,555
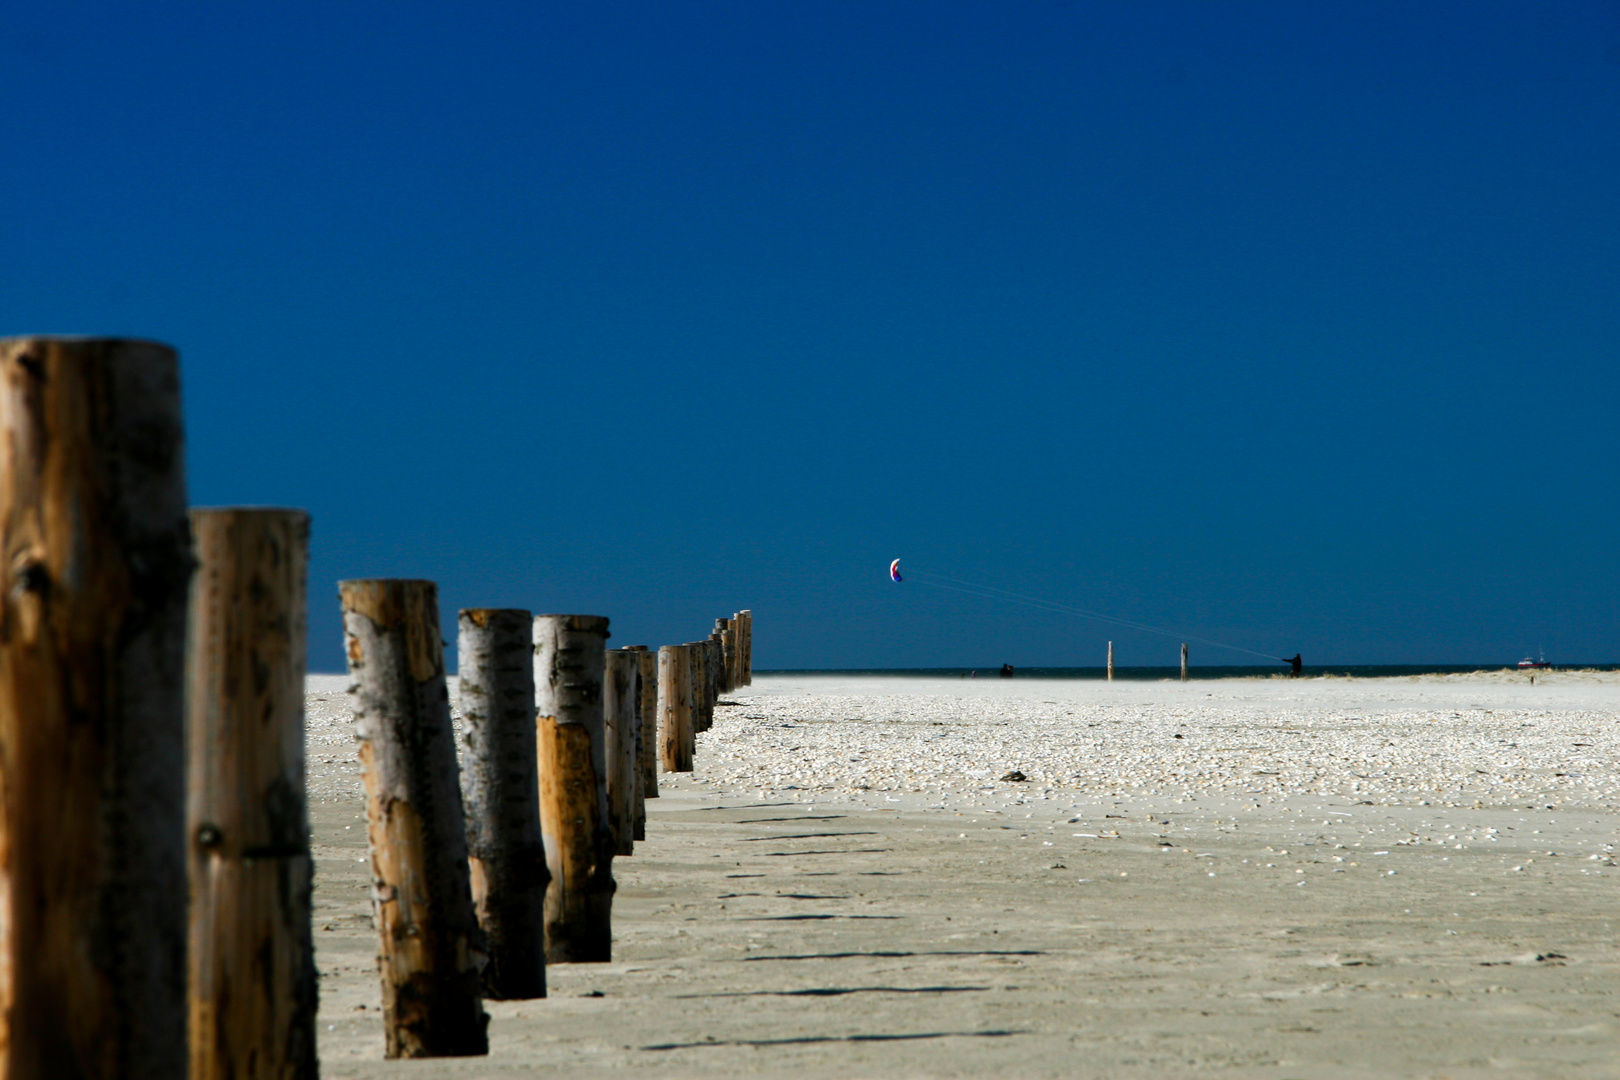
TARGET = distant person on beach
x,y
1006,671
1296,663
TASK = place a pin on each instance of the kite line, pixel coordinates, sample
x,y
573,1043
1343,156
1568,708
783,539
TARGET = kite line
x,y
991,592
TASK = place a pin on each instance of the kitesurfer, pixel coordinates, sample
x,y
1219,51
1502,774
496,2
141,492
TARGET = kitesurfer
x,y
1296,663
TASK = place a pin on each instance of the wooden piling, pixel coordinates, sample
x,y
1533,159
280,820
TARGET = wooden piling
x,y
746,665
431,946
1184,661
621,706
252,979
702,714
1110,661
92,748
501,790
727,631
569,663
648,742
675,741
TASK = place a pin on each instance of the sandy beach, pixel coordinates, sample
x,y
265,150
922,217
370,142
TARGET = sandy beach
x,y
1265,877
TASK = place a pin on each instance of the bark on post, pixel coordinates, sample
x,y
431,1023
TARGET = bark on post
x,y
569,661
1184,661
507,861
431,947
97,555
252,959
648,742
1110,661
621,704
675,708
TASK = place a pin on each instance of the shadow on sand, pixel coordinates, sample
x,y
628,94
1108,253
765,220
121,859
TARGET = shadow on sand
x,y
838,1039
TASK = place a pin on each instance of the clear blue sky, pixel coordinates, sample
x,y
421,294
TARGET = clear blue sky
x,y
1290,325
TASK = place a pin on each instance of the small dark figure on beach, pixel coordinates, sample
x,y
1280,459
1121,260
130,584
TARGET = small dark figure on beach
x,y
1006,671
1296,663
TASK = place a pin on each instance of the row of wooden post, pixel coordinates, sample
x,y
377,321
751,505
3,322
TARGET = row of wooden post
x,y
152,748
559,766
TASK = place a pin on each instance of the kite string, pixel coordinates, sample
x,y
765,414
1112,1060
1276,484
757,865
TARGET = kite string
x,y
991,592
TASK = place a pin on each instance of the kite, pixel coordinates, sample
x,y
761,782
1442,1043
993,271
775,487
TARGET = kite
x,y
894,571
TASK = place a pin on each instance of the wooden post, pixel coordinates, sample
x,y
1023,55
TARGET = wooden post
x,y
645,749
717,677
97,556
621,705
747,639
727,630
569,662
501,787
1110,661
252,958
1183,661
431,946
702,705
675,708
716,672
648,743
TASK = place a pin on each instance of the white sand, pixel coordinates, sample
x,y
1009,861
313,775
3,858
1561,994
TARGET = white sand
x,y
1495,739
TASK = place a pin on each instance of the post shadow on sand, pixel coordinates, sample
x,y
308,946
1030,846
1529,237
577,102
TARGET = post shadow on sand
x,y
891,954
805,1039
840,991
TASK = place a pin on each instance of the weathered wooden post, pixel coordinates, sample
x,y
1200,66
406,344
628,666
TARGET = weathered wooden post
x,y
726,629
1110,661
717,678
92,748
747,638
495,654
431,947
569,663
675,741
648,742
701,714
621,705
252,958
1183,661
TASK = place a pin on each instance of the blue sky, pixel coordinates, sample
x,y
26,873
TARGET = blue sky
x,y
1293,326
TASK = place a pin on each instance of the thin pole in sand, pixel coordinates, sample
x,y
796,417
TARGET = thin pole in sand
x,y
421,895
92,809
621,707
501,789
570,659
646,734
675,707
252,979
1183,661
746,665
1110,661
